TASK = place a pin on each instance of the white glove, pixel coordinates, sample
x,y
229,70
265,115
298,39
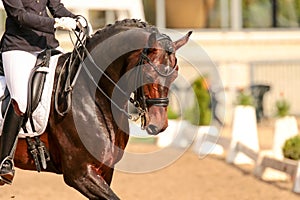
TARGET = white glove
x,y
65,23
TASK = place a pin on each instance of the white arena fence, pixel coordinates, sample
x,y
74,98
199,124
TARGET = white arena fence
x,y
208,141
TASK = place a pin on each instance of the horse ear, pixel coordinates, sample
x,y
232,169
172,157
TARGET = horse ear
x,y
182,41
151,40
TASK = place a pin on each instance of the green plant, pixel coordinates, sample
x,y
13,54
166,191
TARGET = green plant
x,y
244,99
172,114
202,104
282,108
291,148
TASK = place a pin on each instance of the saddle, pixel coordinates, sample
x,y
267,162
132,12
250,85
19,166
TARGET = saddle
x,y
36,81
36,86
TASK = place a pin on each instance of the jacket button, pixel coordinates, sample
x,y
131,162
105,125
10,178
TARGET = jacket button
x,y
38,1
40,13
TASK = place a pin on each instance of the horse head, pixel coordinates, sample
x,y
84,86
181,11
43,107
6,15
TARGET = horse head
x,y
159,69
151,55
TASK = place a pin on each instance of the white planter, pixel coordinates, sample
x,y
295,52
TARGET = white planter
x,y
285,128
244,130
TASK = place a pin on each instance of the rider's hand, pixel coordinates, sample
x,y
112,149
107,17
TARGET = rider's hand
x,y
65,23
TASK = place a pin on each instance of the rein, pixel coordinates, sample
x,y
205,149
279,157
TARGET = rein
x,y
139,100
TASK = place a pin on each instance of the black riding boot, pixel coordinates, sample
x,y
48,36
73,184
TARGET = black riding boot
x,y
12,123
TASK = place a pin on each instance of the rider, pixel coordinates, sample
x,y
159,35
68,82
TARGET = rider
x,y
28,31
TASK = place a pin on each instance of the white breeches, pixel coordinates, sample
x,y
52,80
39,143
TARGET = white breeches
x,y
17,68
2,90
2,85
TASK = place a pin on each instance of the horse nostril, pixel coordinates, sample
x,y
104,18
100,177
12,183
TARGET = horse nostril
x,y
152,130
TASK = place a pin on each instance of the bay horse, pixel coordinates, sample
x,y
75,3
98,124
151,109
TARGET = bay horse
x,y
85,154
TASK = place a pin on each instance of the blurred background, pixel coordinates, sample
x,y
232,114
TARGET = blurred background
x,y
252,58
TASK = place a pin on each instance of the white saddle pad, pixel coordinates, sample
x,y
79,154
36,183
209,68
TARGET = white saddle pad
x,y
41,114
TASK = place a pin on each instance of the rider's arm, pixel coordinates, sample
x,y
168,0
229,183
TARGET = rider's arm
x,y
16,10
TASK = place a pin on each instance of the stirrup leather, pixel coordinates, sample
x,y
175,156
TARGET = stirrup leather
x,y
7,170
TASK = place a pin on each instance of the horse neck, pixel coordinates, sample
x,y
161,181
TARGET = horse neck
x,y
108,90
114,61
116,55
119,84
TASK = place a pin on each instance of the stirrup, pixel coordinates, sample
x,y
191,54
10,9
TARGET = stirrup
x,y
7,171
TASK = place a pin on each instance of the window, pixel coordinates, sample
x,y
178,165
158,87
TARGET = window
x,y
255,13
271,13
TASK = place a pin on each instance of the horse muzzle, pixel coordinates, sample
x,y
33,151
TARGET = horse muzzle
x,y
156,117
152,129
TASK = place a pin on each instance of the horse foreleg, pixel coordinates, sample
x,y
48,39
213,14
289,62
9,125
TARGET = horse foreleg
x,y
92,185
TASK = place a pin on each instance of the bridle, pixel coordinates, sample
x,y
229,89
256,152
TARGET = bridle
x,y
139,100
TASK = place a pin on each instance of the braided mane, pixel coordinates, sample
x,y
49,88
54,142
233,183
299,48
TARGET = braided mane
x,y
119,26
